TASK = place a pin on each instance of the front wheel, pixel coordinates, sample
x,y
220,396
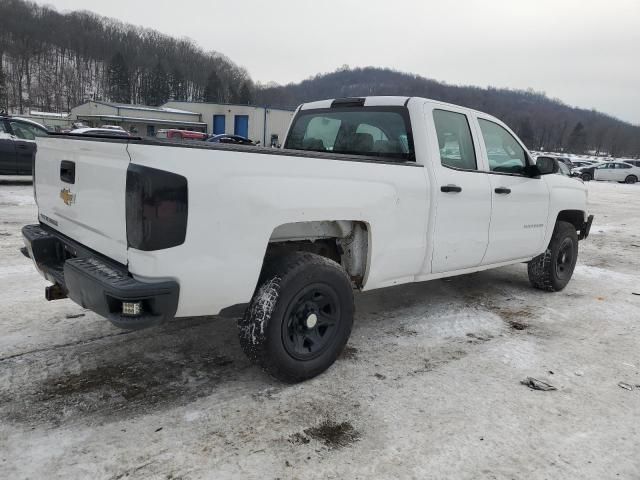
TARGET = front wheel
x,y
586,177
631,179
300,317
552,270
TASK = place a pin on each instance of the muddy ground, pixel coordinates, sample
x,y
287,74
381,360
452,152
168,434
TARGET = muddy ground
x,y
428,387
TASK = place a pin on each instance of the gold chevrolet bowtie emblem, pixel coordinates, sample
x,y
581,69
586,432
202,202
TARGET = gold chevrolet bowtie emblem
x,y
67,197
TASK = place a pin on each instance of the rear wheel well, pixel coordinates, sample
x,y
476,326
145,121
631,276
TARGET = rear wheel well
x,y
343,241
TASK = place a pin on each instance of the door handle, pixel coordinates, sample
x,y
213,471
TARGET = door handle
x,y
503,190
68,171
21,146
450,189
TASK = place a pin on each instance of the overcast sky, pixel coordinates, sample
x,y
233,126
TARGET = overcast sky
x,y
584,52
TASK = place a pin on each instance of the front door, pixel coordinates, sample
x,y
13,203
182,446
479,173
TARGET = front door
x,y
520,204
463,207
606,171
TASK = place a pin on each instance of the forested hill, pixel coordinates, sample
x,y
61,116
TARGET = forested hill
x,y
54,61
540,121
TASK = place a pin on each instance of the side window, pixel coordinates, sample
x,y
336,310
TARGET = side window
x,y
623,165
26,131
504,152
3,129
454,140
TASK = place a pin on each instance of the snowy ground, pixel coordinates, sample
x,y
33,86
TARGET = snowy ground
x,y
429,386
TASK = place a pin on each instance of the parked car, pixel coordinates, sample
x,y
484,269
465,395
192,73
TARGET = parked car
x,y
635,163
104,132
617,172
181,134
226,138
581,163
565,160
360,196
586,172
554,165
18,144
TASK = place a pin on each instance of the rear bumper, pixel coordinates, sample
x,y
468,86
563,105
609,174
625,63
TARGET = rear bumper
x,y
96,282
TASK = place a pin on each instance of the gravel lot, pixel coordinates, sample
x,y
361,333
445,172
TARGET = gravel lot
x,y
429,386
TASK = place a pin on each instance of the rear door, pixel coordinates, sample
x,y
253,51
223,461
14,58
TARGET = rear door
x,y
7,151
463,207
520,204
81,190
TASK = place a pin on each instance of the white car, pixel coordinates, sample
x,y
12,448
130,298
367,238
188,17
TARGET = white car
x,y
617,171
367,193
108,132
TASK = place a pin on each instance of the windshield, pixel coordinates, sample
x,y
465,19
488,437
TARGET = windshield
x,y
370,131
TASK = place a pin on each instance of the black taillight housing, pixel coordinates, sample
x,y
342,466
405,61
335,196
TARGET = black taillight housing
x,y
157,207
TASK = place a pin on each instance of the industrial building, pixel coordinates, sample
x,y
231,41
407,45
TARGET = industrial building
x,y
137,119
264,124
260,124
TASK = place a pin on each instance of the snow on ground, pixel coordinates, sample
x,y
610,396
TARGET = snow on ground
x,y
429,386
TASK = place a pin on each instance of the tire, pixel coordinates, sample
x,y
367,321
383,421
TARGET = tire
x,y
631,179
300,317
587,177
552,270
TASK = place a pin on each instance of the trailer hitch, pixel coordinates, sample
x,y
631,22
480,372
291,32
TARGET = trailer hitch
x,y
55,292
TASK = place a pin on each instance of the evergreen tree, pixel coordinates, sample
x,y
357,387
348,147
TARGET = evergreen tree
x,y
578,139
157,89
176,81
245,95
119,87
212,89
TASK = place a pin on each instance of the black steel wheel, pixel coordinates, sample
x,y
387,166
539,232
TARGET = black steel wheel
x,y
300,317
311,320
631,179
587,177
565,259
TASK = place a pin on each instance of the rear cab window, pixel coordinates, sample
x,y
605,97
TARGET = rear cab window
x,y
382,132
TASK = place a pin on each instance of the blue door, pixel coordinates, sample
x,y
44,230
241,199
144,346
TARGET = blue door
x,y
241,126
218,124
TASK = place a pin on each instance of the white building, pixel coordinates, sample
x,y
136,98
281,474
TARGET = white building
x,y
264,124
139,119
52,121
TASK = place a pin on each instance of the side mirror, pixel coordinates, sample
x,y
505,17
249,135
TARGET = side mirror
x,y
546,165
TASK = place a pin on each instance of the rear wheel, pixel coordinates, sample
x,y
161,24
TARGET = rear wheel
x,y
300,317
587,177
552,270
631,179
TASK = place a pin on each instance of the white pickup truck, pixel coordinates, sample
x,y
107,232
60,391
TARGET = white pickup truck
x,y
366,193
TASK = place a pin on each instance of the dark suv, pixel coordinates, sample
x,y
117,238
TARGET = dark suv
x,y
17,144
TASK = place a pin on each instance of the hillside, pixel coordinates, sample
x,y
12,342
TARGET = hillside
x,y
541,122
53,61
